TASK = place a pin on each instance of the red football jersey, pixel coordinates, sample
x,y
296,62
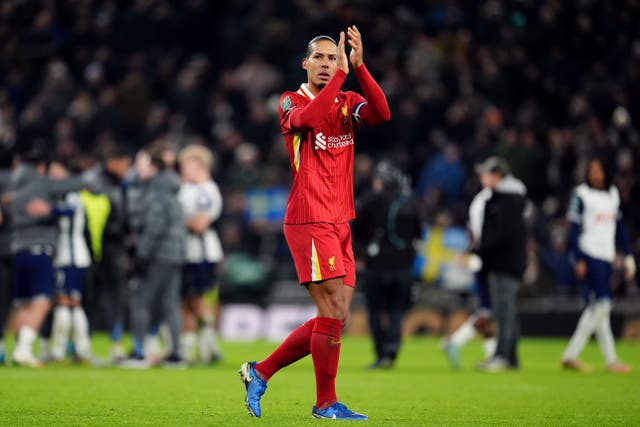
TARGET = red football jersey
x,y
321,159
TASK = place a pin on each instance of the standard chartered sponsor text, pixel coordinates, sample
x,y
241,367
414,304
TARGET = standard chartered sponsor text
x,y
341,141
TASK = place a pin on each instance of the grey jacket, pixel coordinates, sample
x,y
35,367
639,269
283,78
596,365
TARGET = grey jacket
x,y
163,230
136,192
5,232
26,185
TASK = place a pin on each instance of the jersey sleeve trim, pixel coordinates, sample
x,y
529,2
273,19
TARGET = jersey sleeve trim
x,y
575,210
297,137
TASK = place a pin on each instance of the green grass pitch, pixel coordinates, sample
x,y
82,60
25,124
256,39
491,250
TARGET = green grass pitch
x,y
420,390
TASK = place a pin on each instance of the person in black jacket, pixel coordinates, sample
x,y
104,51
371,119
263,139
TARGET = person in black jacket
x,y
107,286
387,225
502,249
5,258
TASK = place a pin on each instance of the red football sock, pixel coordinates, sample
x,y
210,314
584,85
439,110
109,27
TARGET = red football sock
x,y
296,346
325,351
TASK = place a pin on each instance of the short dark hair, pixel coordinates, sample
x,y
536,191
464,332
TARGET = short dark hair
x,y
156,152
67,162
36,152
316,39
115,151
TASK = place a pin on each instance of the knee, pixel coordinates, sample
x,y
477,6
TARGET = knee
x,y
40,305
337,309
346,320
485,326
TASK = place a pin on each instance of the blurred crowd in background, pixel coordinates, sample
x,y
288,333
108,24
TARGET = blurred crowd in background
x,y
544,84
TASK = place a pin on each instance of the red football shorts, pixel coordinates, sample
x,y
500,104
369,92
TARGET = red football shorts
x,y
321,251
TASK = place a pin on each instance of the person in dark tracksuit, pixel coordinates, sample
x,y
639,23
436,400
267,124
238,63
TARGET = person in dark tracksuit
x,y
502,250
108,269
388,223
5,264
159,260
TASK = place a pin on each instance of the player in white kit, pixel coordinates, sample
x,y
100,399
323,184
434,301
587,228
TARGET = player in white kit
x,y
202,205
71,262
596,229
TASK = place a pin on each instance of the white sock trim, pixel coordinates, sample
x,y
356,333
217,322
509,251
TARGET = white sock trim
x,y
489,346
584,330
26,337
188,341
604,335
465,333
81,335
60,330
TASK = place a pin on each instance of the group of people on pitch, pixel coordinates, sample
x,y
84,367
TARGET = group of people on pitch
x,y
595,235
60,230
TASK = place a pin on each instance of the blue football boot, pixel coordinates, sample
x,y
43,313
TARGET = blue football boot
x,y
337,411
255,387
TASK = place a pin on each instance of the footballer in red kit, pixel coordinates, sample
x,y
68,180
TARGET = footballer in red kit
x,y
318,122
321,159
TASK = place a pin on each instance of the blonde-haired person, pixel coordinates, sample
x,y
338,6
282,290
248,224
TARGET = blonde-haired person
x,y
202,204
